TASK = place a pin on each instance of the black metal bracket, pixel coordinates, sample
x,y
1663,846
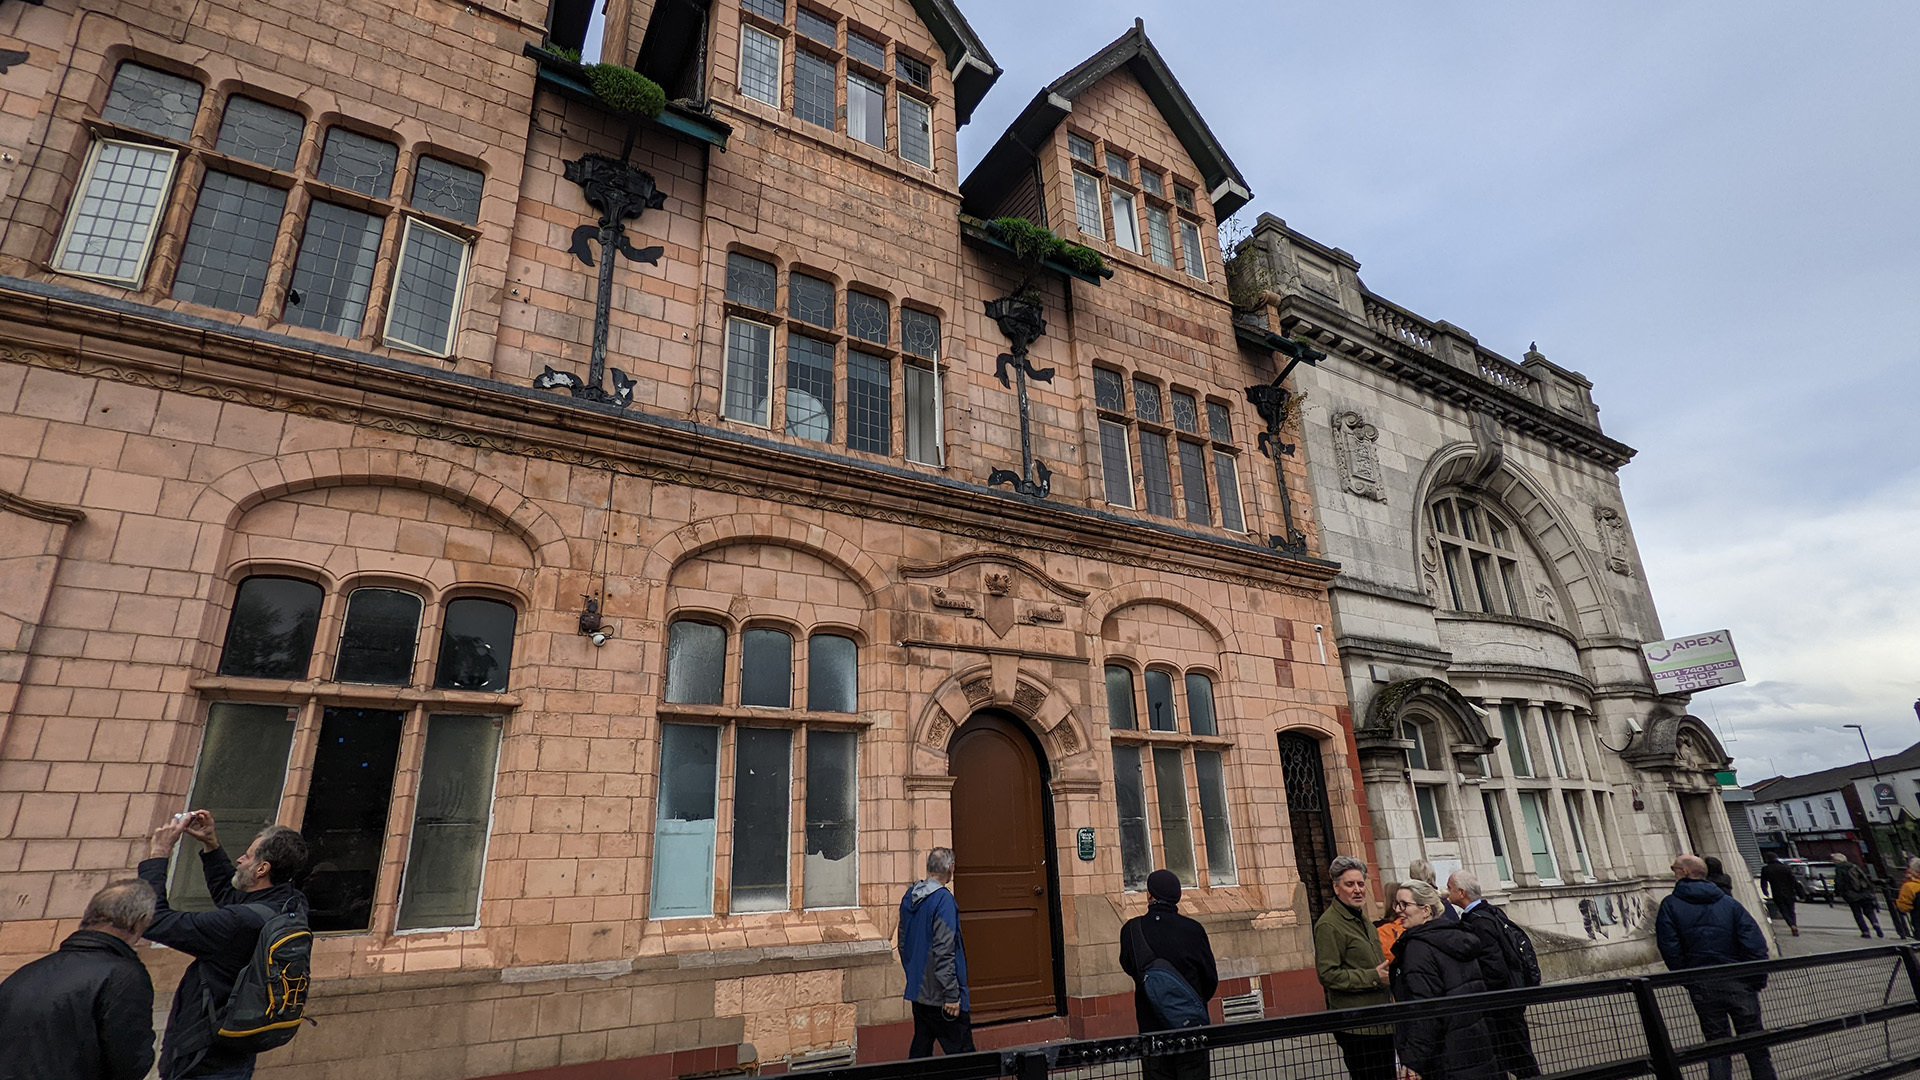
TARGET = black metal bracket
x,y
1269,400
1023,322
620,192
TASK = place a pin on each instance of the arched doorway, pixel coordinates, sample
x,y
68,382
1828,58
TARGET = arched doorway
x,y
1310,815
1004,878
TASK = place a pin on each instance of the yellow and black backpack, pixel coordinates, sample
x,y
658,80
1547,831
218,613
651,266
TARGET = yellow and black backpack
x,y
270,996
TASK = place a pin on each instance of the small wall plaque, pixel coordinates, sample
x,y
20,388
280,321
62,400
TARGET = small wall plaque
x,y
1085,837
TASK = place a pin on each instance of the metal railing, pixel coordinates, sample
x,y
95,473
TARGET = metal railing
x,y
1837,1016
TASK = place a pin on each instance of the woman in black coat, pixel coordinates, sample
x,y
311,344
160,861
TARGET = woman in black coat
x,y
1438,957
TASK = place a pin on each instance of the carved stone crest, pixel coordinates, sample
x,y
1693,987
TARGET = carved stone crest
x,y
1543,597
1612,527
1355,444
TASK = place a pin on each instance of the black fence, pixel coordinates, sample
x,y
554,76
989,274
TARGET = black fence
x,y
1837,1016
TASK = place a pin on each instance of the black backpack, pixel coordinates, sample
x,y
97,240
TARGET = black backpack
x,y
269,998
1173,999
1516,949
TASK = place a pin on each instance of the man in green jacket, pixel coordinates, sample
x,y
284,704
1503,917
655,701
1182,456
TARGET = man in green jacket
x,y
1346,951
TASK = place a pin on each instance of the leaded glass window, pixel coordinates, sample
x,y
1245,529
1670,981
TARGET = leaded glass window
x,y
818,27
333,274
775,10
1226,475
868,317
449,190
109,232
1193,482
916,130
1219,422
914,71
810,299
760,65
866,110
750,281
153,101
919,334
809,388
229,243
1117,166
1186,412
866,50
1193,255
869,403
1109,390
813,88
258,132
1086,205
426,289
358,162
1183,196
1080,148
749,371
1156,474
1159,237
1115,465
1146,401
1150,182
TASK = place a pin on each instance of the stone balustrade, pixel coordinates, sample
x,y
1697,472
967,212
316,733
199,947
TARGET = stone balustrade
x,y
1401,325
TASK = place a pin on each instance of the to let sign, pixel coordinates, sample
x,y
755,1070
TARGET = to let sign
x,y
1695,662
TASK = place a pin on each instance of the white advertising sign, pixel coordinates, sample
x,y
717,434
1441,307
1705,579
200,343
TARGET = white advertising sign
x,y
1695,662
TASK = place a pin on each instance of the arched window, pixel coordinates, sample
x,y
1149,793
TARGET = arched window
x,y
270,635
833,673
476,645
1168,796
696,663
377,641
766,668
1478,558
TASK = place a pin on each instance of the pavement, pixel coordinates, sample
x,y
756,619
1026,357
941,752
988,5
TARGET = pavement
x,y
1829,928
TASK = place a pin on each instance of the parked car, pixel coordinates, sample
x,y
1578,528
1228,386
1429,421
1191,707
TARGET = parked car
x,y
1815,879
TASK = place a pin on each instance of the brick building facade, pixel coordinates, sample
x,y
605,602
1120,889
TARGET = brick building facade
x,y
621,705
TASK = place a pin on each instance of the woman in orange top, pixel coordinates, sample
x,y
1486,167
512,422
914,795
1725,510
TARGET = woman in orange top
x,y
1909,889
1391,928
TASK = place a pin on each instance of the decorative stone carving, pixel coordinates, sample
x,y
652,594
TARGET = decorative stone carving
x,y
999,583
938,731
944,599
1028,698
1355,444
1612,526
1065,739
1430,566
1543,598
1053,614
978,691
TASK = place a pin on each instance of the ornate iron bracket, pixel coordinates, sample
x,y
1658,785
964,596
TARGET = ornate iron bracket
x,y
1270,401
1023,322
620,192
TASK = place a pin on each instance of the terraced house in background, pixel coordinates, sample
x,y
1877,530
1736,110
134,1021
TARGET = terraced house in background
x,y
625,535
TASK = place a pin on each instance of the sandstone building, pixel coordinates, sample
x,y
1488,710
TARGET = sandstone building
x,y
623,546
1488,614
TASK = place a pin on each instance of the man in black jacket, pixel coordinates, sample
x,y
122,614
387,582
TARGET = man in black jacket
x,y
1700,926
1512,1041
1181,942
86,1011
1777,881
221,941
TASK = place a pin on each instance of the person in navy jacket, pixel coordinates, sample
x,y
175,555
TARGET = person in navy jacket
x,y
1699,926
935,961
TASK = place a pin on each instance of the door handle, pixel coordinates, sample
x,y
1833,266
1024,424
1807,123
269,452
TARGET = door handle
x,y
1039,890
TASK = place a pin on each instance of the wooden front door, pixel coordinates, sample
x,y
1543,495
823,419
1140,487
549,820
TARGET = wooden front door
x,y
1001,848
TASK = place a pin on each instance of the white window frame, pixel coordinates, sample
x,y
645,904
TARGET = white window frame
x,y
1554,748
153,226
926,108
1432,792
1193,255
932,378
1576,828
779,64
1543,808
1094,226
726,372
1499,834
393,290
1126,459
1130,238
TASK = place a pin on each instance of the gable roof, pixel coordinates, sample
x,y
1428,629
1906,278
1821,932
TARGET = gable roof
x,y
974,71
1011,158
1815,783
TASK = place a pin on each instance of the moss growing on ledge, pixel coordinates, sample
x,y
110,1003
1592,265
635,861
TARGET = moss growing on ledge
x,y
1034,245
625,90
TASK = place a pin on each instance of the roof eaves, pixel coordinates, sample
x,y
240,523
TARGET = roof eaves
x,y
973,67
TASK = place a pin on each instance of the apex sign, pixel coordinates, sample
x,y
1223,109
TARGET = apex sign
x,y
1695,662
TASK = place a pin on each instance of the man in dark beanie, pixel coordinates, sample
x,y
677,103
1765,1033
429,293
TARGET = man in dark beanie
x,y
1165,934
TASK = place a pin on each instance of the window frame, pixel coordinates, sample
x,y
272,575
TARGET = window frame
x,y
80,192
1155,747
779,65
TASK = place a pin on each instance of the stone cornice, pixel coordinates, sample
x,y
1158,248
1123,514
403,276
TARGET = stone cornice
x,y
103,337
1342,333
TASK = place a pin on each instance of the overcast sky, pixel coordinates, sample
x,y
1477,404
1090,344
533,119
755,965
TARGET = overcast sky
x,y
1712,210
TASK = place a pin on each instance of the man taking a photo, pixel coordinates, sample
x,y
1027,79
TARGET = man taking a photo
x,y
221,941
